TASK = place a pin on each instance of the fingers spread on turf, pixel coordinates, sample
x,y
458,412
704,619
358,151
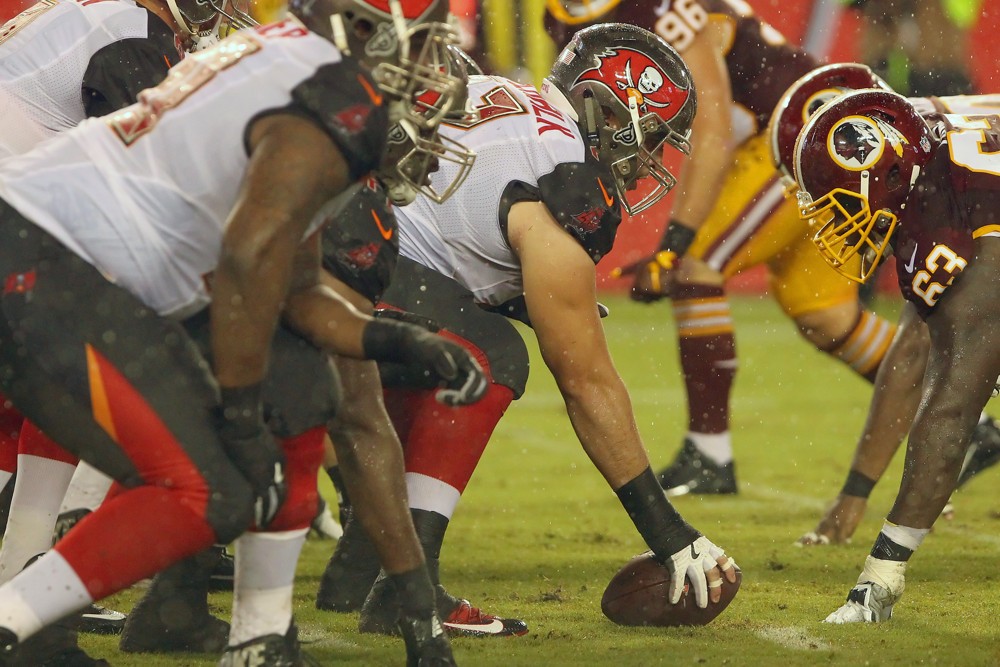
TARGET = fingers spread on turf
x,y
812,539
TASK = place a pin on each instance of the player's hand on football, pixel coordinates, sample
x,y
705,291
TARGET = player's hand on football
x,y
704,565
653,276
838,524
252,448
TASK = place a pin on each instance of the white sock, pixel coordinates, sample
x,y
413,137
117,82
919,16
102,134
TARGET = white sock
x,y
430,494
4,478
34,508
87,490
716,446
41,594
262,593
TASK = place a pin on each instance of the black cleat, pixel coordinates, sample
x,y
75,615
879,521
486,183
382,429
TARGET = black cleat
x,y
68,520
426,644
224,570
349,575
54,645
983,452
693,472
268,651
98,620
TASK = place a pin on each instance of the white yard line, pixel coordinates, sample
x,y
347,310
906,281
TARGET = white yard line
x,y
794,638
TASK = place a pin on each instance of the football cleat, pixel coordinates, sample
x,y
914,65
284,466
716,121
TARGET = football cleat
x,y
349,575
67,520
268,651
55,645
324,526
693,472
468,621
983,452
224,570
866,603
97,620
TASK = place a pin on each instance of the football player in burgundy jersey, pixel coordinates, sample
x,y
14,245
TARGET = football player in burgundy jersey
x,y
521,237
730,214
872,172
897,390
280,122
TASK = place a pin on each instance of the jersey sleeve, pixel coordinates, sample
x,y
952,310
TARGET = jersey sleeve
x,y
582,198
342,99
359,239
118,72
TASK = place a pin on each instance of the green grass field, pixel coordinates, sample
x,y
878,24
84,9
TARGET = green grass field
x,y
539,534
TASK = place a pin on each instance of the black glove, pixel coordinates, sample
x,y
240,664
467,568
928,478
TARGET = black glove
x,y
252,448
449,364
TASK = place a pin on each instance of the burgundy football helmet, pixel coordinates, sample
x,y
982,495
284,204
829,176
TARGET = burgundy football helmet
x,y
856,161
803,98
630,94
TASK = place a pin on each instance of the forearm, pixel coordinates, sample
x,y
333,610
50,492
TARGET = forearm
x,y
895,398
601,414
328,321
371,462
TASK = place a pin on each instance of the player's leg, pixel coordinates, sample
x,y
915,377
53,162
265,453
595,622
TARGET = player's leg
x,y
44,471
749,223
10,432
87,490
124,389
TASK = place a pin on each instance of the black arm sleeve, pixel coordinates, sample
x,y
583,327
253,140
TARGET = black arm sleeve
x,y
341,98
117,73
582,198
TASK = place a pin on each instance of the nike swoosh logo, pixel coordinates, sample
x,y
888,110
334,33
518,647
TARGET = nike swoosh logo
x,y
913,257
607,199
386,233
375,96
494,627
694,554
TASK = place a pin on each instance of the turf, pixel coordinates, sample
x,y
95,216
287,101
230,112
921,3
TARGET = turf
x,y
539,534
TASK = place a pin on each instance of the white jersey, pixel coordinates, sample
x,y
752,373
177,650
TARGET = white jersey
x,y
45,53
525,150
961,105
144,194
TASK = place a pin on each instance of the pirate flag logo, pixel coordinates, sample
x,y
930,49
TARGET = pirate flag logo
x,y
631,74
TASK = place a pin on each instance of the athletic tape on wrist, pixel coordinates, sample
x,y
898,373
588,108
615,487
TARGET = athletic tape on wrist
x,y
660,525
857,485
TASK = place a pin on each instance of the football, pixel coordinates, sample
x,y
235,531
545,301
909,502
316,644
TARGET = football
x,y
639,594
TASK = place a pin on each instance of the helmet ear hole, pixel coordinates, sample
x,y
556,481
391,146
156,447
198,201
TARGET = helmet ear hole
x,y
893,179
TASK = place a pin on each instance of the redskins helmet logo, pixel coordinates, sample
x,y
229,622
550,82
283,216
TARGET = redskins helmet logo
x,y
631,74
856,143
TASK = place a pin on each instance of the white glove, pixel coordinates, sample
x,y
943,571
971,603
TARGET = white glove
x,y
692,562
879,587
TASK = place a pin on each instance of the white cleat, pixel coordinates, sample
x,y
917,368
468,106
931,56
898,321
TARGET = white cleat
x,y
866,603
324,526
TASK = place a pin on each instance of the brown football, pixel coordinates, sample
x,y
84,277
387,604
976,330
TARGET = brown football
x,y
640,595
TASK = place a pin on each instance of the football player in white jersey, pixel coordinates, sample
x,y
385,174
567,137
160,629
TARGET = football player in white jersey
x,y
521,236
62,61
116,233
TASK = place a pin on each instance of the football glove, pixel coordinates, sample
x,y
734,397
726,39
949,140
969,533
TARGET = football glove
x,y
252,448
691,563
652,276
447,363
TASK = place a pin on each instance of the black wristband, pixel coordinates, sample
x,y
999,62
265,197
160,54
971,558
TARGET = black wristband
x,y
857,485
677,238
886,549
386,340
241,409
663,529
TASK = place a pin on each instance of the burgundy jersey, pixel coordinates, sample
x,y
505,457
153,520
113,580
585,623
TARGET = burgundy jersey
x,y
761,64
955,201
